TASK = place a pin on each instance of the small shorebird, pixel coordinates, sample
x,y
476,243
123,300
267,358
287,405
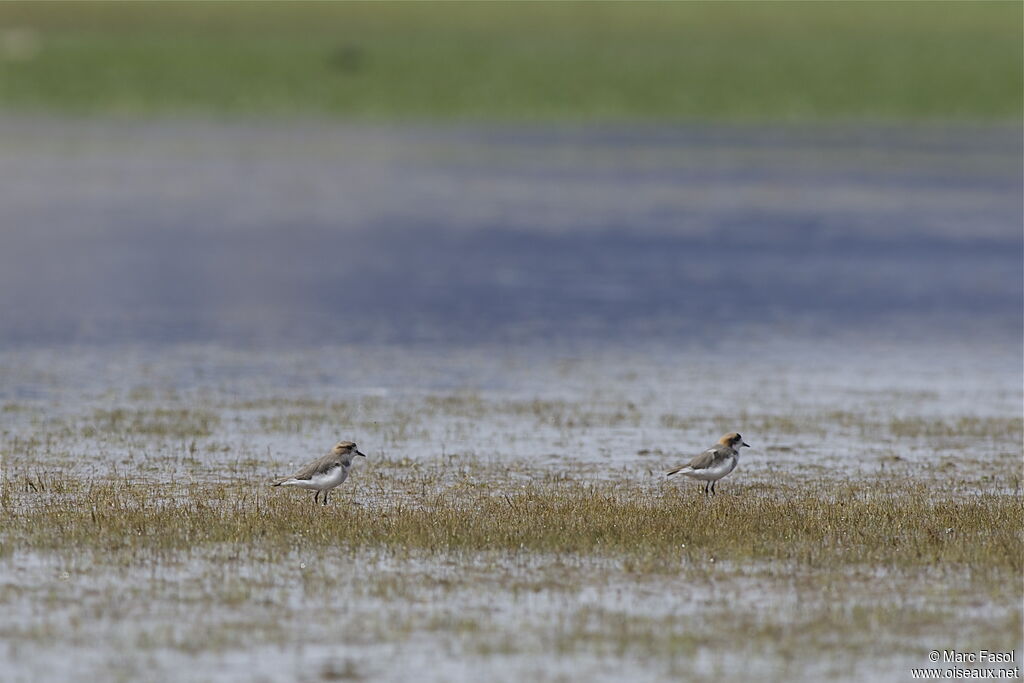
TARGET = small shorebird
x,y
715,462
323,474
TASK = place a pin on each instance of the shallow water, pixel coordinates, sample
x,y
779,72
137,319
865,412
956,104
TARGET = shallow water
x,y
318,233
377,616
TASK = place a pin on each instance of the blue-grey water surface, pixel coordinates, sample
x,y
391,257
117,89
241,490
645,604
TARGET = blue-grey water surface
x,y
313,233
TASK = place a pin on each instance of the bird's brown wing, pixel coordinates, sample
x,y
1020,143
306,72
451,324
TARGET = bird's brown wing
x,y
319,465
700,462
708,457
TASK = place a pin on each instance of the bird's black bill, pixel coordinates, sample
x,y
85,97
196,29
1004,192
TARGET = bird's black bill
x,y
362,454
746,444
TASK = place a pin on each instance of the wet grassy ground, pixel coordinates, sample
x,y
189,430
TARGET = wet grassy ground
x,y
481,572
519,528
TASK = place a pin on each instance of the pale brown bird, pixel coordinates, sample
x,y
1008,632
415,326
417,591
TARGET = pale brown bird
x,y
323,474
715,462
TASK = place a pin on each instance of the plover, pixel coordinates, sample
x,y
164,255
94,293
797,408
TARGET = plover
x,y
715,462
323,474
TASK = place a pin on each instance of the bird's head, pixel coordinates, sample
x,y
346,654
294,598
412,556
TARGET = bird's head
x,y
733,440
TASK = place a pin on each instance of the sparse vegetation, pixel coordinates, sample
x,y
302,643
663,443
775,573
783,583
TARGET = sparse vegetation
x,y
961,427
898,524
181,423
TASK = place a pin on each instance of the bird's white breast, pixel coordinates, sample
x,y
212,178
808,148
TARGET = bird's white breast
x,y
321,482
716,471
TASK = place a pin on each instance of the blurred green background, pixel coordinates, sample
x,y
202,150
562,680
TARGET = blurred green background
x,y
506,61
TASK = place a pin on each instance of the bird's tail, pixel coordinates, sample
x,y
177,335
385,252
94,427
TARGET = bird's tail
x,y
684,468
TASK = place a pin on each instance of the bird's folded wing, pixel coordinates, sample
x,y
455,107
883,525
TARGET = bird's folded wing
x,y
707,458
317,466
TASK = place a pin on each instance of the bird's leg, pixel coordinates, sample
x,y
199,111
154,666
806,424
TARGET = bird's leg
x,y
706,484
316,498
326,493
713,487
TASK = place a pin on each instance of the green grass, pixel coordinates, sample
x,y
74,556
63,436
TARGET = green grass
x,y
532,61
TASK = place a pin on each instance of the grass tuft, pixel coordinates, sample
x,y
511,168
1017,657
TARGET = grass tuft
x,y
172,423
